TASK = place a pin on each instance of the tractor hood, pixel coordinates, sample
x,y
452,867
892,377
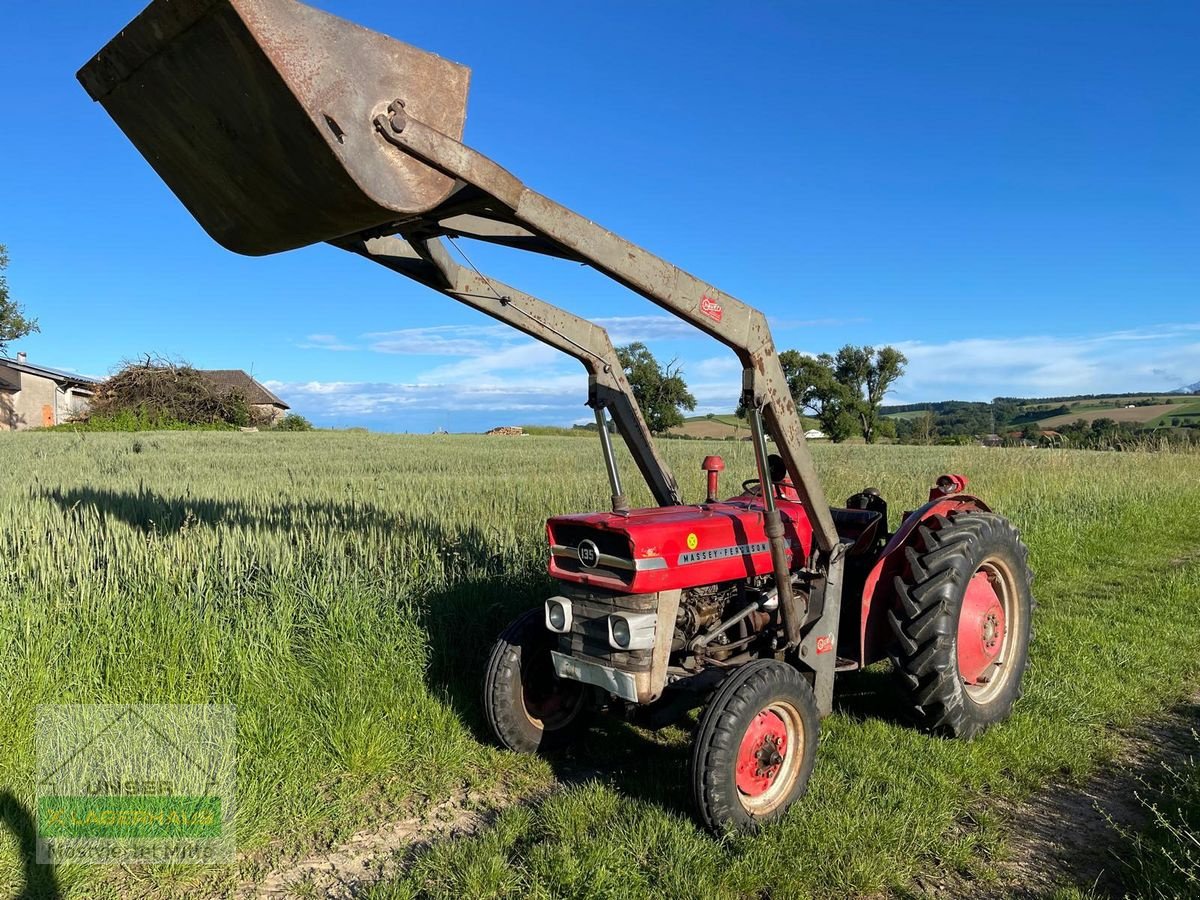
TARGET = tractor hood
x,y
668,548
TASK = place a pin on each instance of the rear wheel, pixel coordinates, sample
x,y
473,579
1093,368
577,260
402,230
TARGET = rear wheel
x,y
529,708
963,621
755,747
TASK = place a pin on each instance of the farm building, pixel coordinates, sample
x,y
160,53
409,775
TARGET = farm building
x,y
39,397
264,406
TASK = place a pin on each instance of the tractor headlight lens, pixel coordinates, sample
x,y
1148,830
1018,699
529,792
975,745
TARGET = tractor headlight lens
x,y
558,614
620,632
632,631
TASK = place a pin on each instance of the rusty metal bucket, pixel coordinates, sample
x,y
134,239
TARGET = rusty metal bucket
x,y
258,115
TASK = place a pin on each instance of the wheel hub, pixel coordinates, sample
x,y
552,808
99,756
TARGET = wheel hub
x,y
762,753
980,630
549,701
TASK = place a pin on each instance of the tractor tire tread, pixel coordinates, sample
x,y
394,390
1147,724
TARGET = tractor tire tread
x,y
941,559
507,723
718,741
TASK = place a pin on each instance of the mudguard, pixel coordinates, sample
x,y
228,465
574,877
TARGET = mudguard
x,y
878,594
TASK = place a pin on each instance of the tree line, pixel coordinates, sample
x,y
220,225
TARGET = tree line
x,y
843,392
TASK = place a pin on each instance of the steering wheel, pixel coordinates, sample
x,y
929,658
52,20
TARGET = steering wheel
x,y
752,486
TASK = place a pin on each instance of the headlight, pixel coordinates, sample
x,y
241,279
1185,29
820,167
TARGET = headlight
x,y
558,614
620,633
632,631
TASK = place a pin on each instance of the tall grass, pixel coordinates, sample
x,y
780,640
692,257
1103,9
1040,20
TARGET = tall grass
x,y
341,590
1162,861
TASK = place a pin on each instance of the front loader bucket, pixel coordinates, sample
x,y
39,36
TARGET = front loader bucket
x,y
258,115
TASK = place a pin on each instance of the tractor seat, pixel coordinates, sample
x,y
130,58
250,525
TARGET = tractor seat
x,y
858,525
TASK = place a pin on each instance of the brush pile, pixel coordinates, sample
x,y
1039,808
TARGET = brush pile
x,y
159,390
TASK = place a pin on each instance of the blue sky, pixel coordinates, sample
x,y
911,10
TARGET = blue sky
x,y
1007,191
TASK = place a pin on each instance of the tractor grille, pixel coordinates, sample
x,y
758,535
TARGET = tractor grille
x,y
588,639
615,560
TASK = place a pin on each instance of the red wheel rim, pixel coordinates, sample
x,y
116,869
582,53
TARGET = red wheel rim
x,y
982,628
550,702
762,753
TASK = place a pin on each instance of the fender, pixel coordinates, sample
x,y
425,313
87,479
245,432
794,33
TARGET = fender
x,y
878,594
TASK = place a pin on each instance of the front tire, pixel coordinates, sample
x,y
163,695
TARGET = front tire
x,y
755,748
529,708
963,621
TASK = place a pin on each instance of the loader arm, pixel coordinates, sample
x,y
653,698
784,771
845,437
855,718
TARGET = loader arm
x,y
501,201
279,126
427,261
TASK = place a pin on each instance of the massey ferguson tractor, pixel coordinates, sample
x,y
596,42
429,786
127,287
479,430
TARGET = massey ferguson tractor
x,y
279,126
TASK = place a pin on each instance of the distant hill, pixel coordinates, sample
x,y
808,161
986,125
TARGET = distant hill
x,y
721,426
1189,389
1003,415
1012,413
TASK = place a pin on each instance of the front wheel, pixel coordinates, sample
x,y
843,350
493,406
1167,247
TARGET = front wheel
x,y
529,708
755,747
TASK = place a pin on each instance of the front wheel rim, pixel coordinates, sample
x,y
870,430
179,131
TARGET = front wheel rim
x,y
769,758
549,702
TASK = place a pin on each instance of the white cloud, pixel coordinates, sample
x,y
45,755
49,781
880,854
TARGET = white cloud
x,y
627,329
366,400
1158,358
325,342
533,358
499,378
441,340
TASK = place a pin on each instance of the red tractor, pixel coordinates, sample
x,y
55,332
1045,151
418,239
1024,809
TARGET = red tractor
x,y
278,126
671,607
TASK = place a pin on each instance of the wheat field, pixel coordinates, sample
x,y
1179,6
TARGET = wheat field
x,y
341,590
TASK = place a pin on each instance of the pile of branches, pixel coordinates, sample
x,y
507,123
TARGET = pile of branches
x,y
159,390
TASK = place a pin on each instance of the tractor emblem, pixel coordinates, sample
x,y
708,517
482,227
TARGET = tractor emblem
x,y
711,308
589,554
692,541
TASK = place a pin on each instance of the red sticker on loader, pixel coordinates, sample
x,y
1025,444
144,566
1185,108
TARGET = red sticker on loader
x,y
711,308
825,643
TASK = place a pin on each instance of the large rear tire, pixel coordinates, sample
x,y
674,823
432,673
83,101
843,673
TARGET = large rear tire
x,y
755,748
963,621
528,707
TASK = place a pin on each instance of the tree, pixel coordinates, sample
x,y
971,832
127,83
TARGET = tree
x,y
868,374
924,428
816,393
659,390
13,324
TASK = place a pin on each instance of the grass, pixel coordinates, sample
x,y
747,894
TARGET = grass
x,y
1163,859
342,589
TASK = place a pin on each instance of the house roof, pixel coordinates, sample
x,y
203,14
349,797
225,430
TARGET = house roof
x,y
57,375
238,380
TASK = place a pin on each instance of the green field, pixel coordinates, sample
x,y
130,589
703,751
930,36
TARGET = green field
x,y
342,590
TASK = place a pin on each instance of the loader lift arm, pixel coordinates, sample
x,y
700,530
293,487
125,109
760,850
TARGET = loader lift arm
x,y
279,126
542,225
427,261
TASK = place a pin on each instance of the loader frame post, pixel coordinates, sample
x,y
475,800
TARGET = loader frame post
x,y
620,503
773,528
